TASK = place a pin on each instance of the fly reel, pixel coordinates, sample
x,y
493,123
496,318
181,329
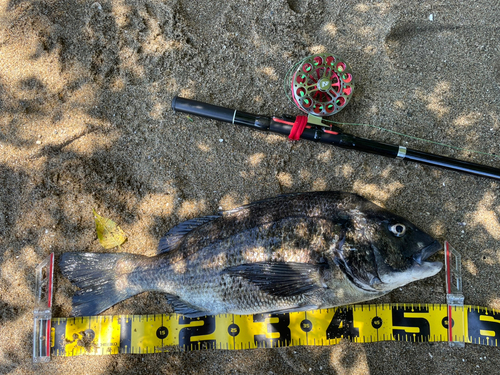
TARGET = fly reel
x,y
322,84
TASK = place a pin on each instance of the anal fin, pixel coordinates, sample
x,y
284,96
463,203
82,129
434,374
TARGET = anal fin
x,y
294,309
184,308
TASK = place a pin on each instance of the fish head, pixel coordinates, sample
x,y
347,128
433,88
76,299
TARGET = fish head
x,y
385,251
401,253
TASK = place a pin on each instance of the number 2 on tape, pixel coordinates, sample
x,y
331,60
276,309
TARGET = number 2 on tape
x,y
186,334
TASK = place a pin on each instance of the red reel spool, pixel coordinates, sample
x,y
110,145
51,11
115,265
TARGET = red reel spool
x,y
322,84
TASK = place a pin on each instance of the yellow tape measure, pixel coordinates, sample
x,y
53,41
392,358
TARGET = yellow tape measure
x,y
140,334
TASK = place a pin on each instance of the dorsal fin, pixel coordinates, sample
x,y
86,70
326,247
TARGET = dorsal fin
x,y
177,233
260,202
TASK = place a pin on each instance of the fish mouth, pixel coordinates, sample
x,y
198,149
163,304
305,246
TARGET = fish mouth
x,y
427,252
388,278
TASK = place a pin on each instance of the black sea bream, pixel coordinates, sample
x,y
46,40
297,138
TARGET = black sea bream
x,y
290,253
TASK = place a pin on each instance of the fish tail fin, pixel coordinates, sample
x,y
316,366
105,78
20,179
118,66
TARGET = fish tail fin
x,y
103,279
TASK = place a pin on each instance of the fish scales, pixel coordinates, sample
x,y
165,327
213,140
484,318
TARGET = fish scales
x,y
203,277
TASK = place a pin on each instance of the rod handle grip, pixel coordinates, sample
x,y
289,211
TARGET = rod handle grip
x,y
197,108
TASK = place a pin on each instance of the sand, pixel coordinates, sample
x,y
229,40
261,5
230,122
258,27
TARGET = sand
x,y
85,122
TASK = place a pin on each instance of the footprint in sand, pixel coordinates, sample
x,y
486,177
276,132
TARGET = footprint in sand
x,y
298,6
423,47
431,48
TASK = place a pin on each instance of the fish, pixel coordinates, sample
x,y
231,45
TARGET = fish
x,y
293,252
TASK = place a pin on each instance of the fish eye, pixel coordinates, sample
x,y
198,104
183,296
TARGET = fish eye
x,y
398,230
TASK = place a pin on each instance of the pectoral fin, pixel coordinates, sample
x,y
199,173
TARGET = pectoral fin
x,y
279,278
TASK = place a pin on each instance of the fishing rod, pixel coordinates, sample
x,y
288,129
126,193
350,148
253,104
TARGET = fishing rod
x,y
315,130
322,85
